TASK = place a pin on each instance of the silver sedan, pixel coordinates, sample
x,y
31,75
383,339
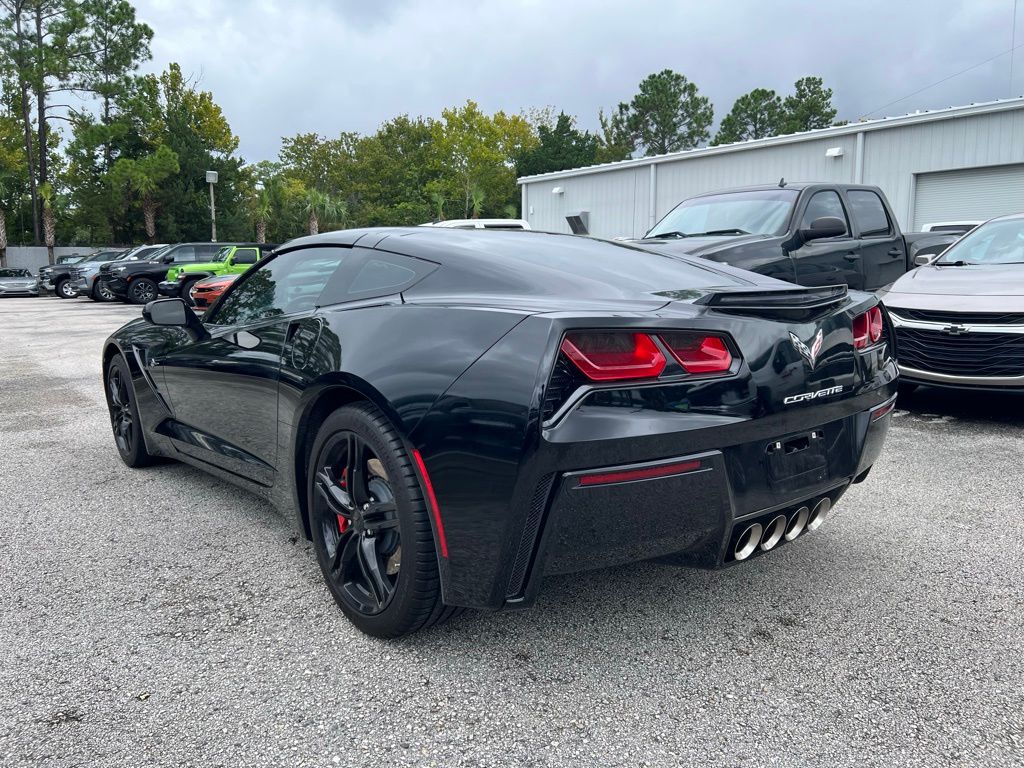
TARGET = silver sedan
x,y
959,318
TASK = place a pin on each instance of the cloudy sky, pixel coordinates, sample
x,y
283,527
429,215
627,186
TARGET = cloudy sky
x,y
280,67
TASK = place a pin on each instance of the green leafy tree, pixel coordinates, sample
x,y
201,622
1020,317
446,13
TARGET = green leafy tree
x,y
392,173
560,146
809,107
754,115
668,114
616,141
141,180
479,151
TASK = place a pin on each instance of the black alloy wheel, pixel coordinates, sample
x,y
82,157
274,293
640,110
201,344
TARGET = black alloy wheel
x,y
358,518
370,525
64,289
124,415
142,290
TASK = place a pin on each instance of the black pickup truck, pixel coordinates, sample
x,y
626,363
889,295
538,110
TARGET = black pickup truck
x,y
813,234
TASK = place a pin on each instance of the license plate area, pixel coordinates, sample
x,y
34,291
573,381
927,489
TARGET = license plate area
x,y
797,460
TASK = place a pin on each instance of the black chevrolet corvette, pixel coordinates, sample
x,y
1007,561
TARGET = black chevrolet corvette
x,y
450,415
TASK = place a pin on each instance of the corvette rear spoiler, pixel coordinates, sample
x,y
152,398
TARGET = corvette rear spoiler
x,y
785,301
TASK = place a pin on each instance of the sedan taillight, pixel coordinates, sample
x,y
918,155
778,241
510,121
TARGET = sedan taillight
x,y
867,328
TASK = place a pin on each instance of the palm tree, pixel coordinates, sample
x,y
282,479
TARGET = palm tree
x,y
322,208
46,196
143,178
437,198
262,207
4,190
476,200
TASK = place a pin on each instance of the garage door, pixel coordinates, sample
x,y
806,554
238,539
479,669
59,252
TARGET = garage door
x,y
977,193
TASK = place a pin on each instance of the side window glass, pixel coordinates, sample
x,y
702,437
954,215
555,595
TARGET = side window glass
x,y
824,203
868,212
377,275
246,256
284,285
184,253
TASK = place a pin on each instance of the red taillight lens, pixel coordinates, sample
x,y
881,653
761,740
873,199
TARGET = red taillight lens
x,y
867,328
614,355
697,352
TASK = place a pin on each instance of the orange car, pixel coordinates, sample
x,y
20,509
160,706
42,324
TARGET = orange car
x,y
204,292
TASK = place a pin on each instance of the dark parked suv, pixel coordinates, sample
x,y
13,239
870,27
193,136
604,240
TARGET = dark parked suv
x,y
137,281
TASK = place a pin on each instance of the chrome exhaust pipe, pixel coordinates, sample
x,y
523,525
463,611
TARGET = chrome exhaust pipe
x,y
797,523
773,532
747,542
818,514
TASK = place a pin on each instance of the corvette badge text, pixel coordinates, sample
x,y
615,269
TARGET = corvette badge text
x,y
804,396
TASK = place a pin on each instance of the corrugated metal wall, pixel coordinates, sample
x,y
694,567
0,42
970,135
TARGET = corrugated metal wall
x,y
618,199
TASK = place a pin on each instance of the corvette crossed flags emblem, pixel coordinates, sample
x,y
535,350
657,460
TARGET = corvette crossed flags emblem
x,y
809,353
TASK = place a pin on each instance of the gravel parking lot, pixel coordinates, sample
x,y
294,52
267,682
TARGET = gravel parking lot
x,y
158,617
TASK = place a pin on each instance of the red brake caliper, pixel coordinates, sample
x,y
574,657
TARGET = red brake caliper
x,y
342,522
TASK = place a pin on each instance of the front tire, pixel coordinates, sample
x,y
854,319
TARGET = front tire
x,y
186,290
64,289
142,291
124,414
370,525
101,293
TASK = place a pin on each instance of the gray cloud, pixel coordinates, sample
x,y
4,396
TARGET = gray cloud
x,y
280,68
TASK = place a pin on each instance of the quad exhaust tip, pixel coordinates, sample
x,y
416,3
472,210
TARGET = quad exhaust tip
x,y
748,541
768,536
818,514
797,523
773,532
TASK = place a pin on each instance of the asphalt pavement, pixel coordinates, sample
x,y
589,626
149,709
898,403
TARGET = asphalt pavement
x,y
158,617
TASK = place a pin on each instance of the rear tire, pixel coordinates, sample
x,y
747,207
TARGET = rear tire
x,y
393,538
64,289
142,291
124,414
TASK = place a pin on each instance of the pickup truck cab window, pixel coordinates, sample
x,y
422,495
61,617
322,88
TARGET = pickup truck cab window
x,y
869,213
824,203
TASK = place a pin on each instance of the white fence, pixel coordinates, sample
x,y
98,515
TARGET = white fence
x,y
34,256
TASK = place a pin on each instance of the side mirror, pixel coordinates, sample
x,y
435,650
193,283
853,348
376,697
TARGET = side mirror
x,y
923,260
174,313
826,226
167,258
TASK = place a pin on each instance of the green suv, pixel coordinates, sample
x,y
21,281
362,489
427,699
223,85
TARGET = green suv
x,y
230,260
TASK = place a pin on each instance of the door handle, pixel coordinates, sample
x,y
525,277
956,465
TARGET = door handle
x,y
894,252
851,256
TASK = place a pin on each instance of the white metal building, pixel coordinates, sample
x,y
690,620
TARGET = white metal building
x,y
947,164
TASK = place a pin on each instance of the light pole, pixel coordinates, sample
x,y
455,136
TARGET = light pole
x,y
211,179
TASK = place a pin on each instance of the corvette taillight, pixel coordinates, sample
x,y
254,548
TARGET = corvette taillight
x,y
614,355
698,352
867,328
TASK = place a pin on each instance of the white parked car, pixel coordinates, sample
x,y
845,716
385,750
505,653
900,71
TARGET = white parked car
x,y
480,224
956,227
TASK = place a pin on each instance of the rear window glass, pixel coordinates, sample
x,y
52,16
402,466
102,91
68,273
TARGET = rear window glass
x,y
377,275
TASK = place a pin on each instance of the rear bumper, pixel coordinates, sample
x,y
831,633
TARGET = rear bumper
x,y
169,288
694,516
